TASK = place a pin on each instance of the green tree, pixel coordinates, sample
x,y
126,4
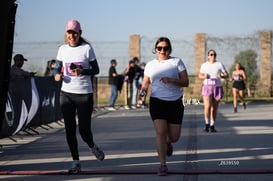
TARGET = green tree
x,y
248,59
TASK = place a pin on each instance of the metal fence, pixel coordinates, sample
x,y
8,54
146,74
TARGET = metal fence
x,y
38,53
102,92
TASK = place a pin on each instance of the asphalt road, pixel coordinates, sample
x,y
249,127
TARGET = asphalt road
x,y
242,149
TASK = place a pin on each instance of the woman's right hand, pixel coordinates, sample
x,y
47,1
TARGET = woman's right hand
x,y
58,77
203,76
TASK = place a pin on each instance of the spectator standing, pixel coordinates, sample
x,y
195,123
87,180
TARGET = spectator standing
x,y
212,90
113,82
130,73
166,75
77,65
238,86
16,70
142,100
135,83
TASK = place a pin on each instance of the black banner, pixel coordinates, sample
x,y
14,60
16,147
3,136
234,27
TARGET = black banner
x,y
7,18
31,103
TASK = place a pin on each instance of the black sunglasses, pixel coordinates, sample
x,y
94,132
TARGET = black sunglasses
x,y
164,48
212,54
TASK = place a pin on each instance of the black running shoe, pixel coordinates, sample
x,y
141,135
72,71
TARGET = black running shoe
x,y
244,105
163,170
206,129
98,153
76,167
212,129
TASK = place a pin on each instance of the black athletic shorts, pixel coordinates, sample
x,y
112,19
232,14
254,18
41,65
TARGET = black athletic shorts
x,y
240,85
172,111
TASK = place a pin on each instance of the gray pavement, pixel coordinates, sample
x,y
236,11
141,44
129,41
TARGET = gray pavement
x,y
242,149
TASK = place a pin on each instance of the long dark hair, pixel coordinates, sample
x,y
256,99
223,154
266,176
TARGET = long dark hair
x,y
241,67
163,39
211,50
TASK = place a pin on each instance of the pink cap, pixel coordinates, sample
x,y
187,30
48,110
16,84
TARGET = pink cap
x,y
73,25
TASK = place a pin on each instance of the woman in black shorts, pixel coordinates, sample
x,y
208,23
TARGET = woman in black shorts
x,y
166,75
238,85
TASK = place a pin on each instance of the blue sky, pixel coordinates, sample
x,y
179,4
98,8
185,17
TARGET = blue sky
x,y
115,20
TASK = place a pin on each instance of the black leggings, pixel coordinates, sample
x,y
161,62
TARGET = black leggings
x,y
83,105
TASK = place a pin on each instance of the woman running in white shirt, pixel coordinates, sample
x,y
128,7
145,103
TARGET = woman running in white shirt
x,y
166,75
212,91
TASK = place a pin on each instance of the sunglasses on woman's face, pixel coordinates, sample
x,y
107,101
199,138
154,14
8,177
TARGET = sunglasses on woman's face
x,y
163,48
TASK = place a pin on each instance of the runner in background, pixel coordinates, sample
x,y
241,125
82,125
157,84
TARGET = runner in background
x,y
238,86
212,90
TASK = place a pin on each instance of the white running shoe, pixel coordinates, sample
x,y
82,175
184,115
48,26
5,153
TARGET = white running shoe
x,y
111,109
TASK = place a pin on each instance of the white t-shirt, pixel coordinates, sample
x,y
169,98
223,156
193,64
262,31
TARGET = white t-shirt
x,y
212,69
80,55
169,68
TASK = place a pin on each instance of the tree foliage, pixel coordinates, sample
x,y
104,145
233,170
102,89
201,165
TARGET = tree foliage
x,y
248,59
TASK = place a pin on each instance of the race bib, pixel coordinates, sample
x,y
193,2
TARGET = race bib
x,y
211,81
236,77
